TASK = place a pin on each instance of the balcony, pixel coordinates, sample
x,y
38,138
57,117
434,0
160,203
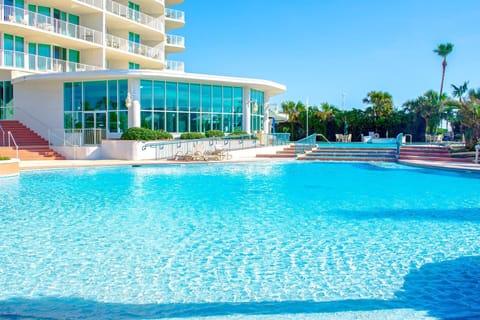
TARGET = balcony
x,y
93,3
175,43
136,16
38,64
27,19
178,66
135,48
174,19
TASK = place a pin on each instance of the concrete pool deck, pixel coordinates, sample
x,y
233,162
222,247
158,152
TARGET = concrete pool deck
x,y
246,155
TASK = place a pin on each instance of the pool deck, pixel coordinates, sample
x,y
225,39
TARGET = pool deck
x,y
247,155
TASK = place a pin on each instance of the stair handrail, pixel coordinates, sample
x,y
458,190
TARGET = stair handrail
x,y
3,135
306,143
34,122
325,138
477,148
12,139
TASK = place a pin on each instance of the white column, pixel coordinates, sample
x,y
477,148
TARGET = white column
x,y
266,114
134,105
246,110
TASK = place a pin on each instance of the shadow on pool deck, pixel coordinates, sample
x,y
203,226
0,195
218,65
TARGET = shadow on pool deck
x,y
446,290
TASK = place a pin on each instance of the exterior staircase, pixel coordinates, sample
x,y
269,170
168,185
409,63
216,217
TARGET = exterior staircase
x,y
362,154
30,145
430,153
289,152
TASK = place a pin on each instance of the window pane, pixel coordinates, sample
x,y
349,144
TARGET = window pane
x,y
171,121
206,98
67,97
238,122
95,95
77,96
195,122
183,97
227,123
122,93
206,122
146,119
171,96
217,99
146,94
217,122
159,120
112,95
159,95
238,99
183,122
227,99
195,97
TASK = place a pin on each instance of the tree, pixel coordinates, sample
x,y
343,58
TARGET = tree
x,y
427,107
469,116
443,50
293,110
459,92
381,103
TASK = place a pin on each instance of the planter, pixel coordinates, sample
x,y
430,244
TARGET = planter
x,y
9,167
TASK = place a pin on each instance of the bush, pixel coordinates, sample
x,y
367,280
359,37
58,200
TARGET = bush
x,y
192,135
145,134
4,158
163,135
214,133
238,133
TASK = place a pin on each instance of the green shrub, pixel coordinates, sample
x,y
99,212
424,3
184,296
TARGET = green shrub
x,y
214,133
163,135
192,135
4,158
238,133
145,134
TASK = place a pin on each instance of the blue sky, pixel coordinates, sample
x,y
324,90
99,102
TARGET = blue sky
x,y
322,48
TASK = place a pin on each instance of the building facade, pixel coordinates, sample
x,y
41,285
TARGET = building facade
x,y
104,64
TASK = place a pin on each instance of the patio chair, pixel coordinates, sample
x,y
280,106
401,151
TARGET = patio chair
x,y
198,152
339,137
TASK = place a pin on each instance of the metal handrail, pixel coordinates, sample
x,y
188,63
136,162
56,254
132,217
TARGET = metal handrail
x,y
477,148
33,122
408,135
3,135
123,11
325,138
306,143
133,47
12,139
175,40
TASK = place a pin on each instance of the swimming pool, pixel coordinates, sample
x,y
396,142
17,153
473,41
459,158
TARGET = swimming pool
x,y
263,240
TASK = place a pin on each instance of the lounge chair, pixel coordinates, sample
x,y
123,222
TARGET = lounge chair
x,y
198,152
339,137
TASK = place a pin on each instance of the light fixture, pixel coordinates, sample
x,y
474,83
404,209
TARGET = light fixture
x,y
128,100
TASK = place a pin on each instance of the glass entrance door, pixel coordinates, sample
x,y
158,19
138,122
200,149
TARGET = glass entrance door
x,y
95,127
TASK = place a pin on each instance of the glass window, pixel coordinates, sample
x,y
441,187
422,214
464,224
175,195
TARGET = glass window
x,y
206,98
8,93
95,95
237,120
206,122
73,55
67,96
195,97
122,93
171,121
227,99
217,99
146,94
183,122
77,96
159,95
123,121
227,123
159,120
112,95
217,122
146,119
195,122
8,47
183,97
73,19
171,96
113,122
238,100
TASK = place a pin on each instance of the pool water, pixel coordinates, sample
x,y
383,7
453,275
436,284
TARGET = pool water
x,y
261,240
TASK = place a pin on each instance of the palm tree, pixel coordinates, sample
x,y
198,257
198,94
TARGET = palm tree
x,y
459,92
382,103
469,115
443,50
427,107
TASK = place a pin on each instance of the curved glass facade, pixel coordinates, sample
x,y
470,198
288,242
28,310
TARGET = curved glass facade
x,y
190,107
164,105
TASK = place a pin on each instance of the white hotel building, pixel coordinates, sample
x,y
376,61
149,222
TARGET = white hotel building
x,y
105,64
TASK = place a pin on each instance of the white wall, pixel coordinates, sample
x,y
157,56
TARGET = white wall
x,y
39,105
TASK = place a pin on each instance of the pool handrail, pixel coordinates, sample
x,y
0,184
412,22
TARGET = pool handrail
x,y
307,143
477,148
325,138
11,140
3,135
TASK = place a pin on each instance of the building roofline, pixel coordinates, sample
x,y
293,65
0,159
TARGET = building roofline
x,y
269,87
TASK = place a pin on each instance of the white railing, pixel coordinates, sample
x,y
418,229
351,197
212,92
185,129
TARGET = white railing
x,y
175,14
11,141
134,15
93,3
49,24
32,62
175,65
134,47
175,40
76,137
3,135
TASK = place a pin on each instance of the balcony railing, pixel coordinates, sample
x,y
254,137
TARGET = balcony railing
x,y
46,23
134,47
93,3
175,14
36,63
174,40
134,15
175,65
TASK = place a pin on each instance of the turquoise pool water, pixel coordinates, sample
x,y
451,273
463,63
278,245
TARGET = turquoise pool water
x,y
261,240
